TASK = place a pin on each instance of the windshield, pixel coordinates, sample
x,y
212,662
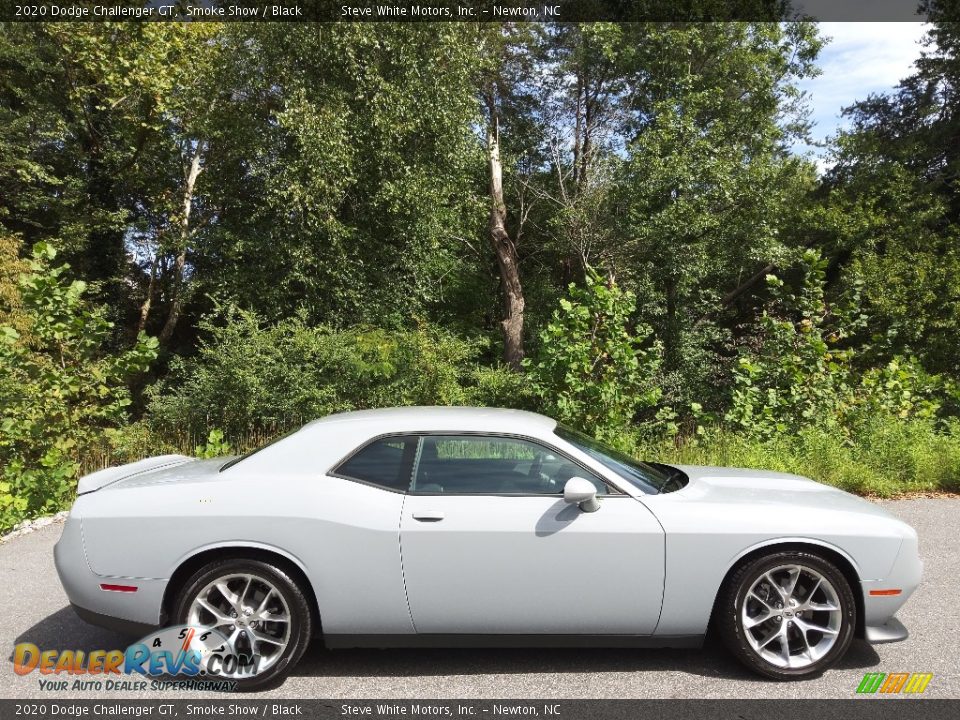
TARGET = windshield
x,y
647,477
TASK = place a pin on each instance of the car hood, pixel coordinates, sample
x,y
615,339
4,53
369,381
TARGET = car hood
x,y
762,487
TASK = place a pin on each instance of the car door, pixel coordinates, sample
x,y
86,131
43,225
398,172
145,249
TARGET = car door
x,y
488,545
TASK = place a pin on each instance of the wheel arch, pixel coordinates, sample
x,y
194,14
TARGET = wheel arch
x,y
843,562
190,564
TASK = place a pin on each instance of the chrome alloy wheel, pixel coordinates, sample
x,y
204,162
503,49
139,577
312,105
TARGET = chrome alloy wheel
x,y
249,611
791,616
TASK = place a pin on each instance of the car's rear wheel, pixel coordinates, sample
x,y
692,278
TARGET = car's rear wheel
x,y
260,610
787,615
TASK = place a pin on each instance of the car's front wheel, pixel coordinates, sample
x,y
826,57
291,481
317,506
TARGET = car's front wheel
x,y
787,615
258,608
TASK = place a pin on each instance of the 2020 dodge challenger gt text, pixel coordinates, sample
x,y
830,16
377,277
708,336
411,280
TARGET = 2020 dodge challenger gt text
x,y
470,527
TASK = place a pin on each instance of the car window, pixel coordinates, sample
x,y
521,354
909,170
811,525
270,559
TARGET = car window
x,y
650,478
488,465
386,462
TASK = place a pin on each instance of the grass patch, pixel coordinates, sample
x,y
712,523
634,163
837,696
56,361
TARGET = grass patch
x,y
885,457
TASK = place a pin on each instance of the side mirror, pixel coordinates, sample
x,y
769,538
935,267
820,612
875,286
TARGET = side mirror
x,y
582,492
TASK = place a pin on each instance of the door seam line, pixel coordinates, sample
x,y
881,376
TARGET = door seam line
x,y
403,571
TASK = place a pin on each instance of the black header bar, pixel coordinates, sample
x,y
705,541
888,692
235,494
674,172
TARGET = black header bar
x,y
469,10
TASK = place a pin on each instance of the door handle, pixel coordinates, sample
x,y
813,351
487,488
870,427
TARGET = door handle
x,y
428,516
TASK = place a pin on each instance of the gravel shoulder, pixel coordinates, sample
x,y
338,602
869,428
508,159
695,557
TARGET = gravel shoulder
x,y
35,609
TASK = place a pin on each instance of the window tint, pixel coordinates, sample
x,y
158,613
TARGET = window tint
x,y
386,462
484,465
650,478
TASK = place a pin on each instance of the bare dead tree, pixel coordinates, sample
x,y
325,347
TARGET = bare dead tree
x,y
503,245
192,170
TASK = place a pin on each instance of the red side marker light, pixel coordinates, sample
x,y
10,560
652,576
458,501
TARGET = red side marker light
x,y
891,591
118,588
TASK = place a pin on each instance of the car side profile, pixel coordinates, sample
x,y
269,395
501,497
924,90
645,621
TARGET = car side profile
x,y
482,527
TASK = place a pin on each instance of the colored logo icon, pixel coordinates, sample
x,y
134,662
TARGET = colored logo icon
x,y
894,683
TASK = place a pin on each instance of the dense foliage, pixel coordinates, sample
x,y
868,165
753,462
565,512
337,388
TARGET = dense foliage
x,y
60,386
250,378
593,370
602,222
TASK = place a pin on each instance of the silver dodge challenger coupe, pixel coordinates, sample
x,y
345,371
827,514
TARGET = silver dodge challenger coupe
x,y
474,527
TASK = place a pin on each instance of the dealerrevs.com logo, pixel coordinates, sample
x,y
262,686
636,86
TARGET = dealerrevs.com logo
x,y
894,683
174,658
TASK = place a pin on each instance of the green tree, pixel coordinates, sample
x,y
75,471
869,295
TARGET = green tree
x,y
359,194
890,214
178,161
708,191
81,123
61,389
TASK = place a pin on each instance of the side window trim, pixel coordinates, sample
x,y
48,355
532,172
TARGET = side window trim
x,y
617,492
408,467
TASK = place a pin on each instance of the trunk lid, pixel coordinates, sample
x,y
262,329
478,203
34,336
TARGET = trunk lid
x,y
112,475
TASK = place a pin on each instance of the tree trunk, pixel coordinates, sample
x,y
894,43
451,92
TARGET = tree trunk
x,y
577,130
671,334
731,296
504,248
585,144
176,303
145,308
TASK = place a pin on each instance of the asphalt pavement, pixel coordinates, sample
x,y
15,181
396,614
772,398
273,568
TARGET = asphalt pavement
x,y
33,608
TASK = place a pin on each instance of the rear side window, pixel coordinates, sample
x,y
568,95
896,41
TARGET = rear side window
x,y
386,463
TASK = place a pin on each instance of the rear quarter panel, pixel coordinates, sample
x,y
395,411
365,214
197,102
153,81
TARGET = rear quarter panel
x,y
344,535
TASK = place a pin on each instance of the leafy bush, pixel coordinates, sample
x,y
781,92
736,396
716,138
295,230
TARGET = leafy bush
x,y
129,443
799,373
901,388
215,446
499,386
11,267
593,368
61,387
248,378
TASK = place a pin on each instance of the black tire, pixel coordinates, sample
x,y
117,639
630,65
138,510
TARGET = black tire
x,y
301,620
734,594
